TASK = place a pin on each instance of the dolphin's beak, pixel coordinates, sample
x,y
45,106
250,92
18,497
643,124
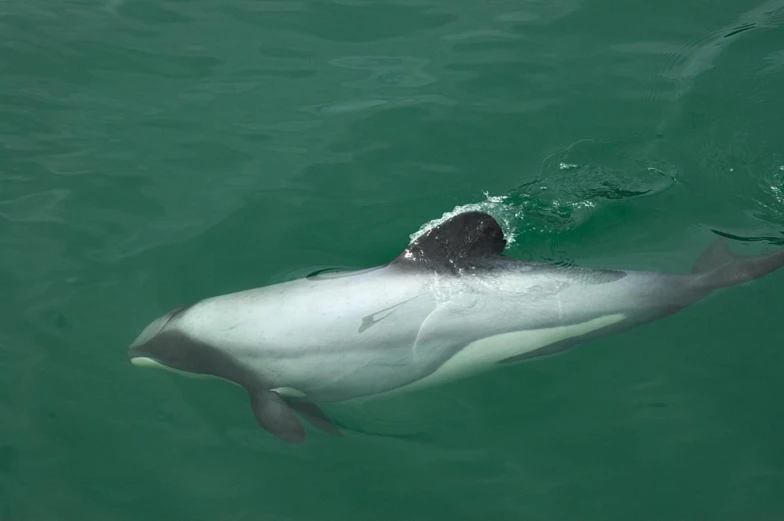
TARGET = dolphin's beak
x,y
136,351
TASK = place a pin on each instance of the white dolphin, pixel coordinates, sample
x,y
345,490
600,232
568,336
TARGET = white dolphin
x,y
450,305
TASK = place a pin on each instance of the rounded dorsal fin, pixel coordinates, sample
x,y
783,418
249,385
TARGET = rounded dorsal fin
x,y
467,240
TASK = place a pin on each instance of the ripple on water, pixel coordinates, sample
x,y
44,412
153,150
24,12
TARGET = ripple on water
x,y
775,62
357,105
770,204
541,11
37,207
686,61
572,184
393,71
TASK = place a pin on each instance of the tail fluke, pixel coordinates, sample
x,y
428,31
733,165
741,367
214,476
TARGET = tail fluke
x,y
721,268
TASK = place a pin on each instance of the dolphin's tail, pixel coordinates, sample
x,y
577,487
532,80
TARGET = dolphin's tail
x,y
718,267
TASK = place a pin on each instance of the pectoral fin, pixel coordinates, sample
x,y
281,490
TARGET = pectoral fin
x,y
276,416
311,412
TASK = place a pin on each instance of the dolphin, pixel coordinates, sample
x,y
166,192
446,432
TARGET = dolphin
x,y
448,306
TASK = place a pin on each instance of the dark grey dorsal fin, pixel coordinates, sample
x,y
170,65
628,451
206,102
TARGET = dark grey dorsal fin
x,y
466,240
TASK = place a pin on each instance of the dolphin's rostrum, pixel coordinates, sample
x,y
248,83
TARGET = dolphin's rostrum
x,y
450,305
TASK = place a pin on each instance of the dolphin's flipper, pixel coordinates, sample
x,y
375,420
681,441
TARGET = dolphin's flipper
x,y
315,416
275,416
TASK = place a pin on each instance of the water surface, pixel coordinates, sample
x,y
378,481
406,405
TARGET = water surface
x,y
154,153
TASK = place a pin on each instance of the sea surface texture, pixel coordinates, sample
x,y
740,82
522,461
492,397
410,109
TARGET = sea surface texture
x,y
157,152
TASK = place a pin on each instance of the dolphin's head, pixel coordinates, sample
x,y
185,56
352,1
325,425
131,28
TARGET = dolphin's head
x,y
162,344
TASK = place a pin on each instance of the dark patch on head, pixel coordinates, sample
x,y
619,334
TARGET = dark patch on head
x,y
178,351
179,311
466,241
174,313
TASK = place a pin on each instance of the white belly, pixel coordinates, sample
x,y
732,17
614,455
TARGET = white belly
x,y
482,355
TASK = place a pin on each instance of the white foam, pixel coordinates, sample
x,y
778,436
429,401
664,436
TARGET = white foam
x,y
505,213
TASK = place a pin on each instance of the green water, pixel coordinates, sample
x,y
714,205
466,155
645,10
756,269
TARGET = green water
x,y
157,152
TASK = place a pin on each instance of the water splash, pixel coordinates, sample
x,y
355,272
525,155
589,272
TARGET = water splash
x,y
507,215
571,186
770,204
